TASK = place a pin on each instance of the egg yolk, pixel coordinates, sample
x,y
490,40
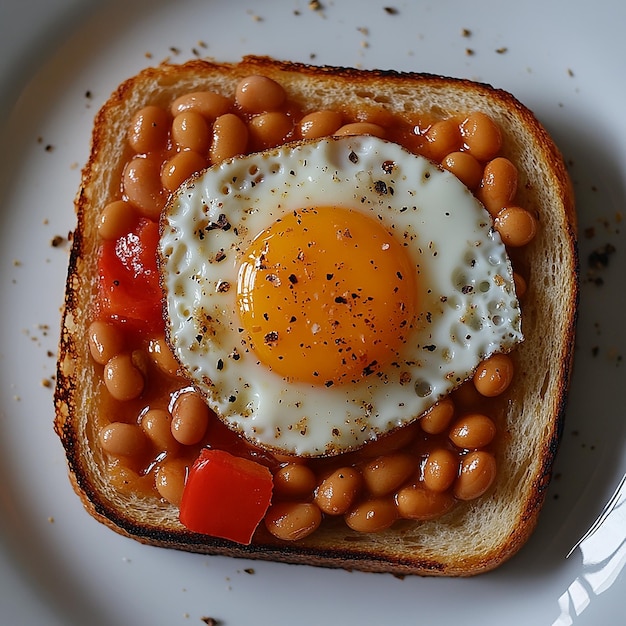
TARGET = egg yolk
x,y
326,296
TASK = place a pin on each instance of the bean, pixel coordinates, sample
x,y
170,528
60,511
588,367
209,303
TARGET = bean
x,y
190,418
481,136
259,94
149,130
338,491
465,167
494,375
208,103
120,439
361,128
376,114
320,124
440,469
291,521
294,480
477,473
466,397
230,138
162,356
517,226
386,473
472,431
170,480
386,444
180,167
371,516
156,424
106,340
141,183
520,284
190,131
498,185
269,129
438,417
123,378
443,138
141,361
117,218
416,503
127,480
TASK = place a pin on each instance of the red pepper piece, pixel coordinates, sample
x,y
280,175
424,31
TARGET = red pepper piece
x,y
226,496
129,289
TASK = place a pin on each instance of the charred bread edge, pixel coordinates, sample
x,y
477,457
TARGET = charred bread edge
x,y
268,548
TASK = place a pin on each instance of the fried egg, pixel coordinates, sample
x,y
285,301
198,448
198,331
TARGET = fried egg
x,y
322,294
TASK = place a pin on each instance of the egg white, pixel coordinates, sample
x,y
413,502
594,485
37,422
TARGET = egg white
x,y
468,311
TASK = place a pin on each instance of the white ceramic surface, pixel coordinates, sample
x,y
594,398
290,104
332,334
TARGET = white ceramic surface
x,y
58,63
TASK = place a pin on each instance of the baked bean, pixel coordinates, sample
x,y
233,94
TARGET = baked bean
x,y
338,491
481,136
269,129
361,128
149,130
443,138
120,439
386,473
126,480
520,284
440,469
157,425
259,94
477,473
437,419
123,378
472,431
141,361
320,124
379,115
372,516
466,397
294,480
180,167
416,503
494,375
106,340
516,226
386,444
292,520
498,185
230,138
208,103
190,131
141,183
190,418
117,218
162,356
414,142
170,480
465,167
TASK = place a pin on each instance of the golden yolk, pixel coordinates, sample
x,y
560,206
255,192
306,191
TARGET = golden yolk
x,y
326,296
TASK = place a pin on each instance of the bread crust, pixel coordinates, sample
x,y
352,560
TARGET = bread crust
x,y
475,537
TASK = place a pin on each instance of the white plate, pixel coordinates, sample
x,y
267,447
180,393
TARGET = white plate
x,y
58,63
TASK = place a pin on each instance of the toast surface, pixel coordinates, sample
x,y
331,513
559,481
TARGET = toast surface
x,y
476,536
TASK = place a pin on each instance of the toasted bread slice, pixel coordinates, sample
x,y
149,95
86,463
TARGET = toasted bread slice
x,y
477,535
